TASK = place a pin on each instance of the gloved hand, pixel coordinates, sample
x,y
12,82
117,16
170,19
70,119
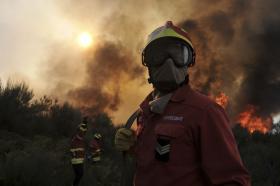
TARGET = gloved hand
x,y
124,139
88,157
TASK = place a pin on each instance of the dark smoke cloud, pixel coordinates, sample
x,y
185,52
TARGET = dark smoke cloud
x,y
261,86
238,53
221,25
107,69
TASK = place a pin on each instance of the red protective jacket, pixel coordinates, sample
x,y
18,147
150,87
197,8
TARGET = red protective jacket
x,y
78,149
94,145
190,144
95,150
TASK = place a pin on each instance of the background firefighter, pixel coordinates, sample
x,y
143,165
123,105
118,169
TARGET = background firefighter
x,y
183,137
94,154
78,152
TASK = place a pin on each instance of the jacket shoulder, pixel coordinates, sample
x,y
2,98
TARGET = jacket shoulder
x,y
199,100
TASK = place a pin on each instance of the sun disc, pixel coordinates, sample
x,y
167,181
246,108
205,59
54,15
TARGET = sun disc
x,y
85,39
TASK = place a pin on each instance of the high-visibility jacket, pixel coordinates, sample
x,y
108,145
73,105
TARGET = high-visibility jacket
x,y
77,149
190,144
95,150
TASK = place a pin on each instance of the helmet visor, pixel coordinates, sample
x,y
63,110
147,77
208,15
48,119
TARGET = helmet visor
x,y
160,50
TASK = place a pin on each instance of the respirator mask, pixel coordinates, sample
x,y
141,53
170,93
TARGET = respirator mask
x,y
167,60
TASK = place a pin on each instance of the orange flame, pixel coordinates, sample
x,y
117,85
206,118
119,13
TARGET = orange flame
x,y
248,119
222,99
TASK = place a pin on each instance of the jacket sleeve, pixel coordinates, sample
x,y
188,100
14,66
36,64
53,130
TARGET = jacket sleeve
x,y
94,146
220,157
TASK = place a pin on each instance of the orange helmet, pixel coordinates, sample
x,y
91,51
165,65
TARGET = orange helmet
x,y
170,30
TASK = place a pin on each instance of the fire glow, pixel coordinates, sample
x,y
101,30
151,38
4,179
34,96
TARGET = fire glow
x,y
222,100
250,120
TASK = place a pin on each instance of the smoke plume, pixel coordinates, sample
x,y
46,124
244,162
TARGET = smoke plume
x,y
107,68
237,50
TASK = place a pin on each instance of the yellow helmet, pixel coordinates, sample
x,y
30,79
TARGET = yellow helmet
x,y
170,30
83,127
97,136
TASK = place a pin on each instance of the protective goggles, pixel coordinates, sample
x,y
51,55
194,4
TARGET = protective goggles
x,y
158,51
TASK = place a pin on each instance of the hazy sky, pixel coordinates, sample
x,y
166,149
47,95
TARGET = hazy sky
x,y
38,40
28,29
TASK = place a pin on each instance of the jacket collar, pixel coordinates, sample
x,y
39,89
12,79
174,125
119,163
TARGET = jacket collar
x,y
181,93
178,95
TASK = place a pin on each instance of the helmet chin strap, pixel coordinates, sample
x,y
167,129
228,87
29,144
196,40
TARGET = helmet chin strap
x,y
150,81
186,81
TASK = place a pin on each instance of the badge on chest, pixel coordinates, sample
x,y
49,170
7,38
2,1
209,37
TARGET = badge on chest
x,y
162,149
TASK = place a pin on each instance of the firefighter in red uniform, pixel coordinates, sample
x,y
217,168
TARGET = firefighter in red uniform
x,y
183,138
78,152
94,155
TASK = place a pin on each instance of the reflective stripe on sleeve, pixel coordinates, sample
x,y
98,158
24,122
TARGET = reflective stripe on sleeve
x,y
77,149
96,158
77,160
